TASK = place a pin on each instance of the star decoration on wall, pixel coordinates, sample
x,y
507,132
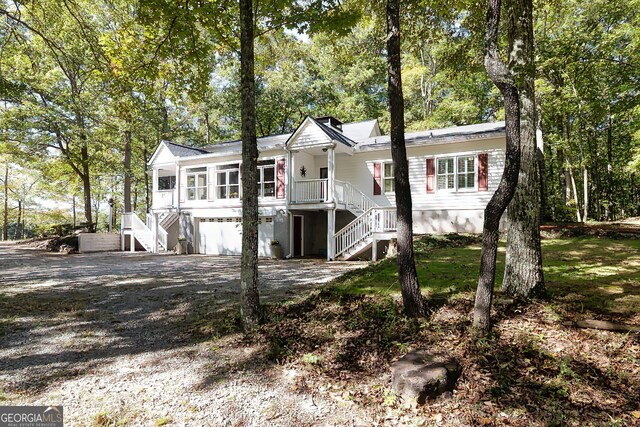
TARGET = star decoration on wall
x,y
303,171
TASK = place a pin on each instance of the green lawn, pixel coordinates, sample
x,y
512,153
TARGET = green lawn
x,y
586,273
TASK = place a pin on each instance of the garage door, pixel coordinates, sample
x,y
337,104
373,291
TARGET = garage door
x,y
223,236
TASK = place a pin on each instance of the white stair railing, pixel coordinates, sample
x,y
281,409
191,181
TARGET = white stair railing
x,y
144,232
141,232
373,220
352,198
162,238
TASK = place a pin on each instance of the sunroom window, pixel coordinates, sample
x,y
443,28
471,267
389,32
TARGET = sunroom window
x,y
228,181
197,183
166,183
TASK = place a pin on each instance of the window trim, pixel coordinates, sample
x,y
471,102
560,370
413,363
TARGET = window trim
x,y
384,177
261,182
196,172
227,170
455,157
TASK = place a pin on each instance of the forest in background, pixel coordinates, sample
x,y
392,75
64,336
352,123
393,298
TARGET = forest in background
x,y
89,88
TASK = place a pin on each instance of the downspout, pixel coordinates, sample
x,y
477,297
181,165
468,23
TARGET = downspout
x,y
287,196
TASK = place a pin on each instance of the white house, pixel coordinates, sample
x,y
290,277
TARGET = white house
x,y
327,189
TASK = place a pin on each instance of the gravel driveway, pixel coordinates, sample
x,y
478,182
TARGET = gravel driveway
x,y
104,335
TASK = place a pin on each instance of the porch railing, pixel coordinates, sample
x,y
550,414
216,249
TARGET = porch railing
x,y
310,190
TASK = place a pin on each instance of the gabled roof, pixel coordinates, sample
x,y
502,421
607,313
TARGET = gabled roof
x,y
176,150
332,134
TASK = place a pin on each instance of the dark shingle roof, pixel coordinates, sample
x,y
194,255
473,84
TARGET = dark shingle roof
x,y
333,134
182,150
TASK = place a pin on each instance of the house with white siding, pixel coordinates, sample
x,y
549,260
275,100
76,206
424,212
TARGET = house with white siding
x,y
327,190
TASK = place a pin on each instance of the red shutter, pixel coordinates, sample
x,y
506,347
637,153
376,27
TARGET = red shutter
x,y
483,172
431,175
280,178
377,180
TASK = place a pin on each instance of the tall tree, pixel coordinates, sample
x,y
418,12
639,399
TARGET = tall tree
x,y
501,76
249,296
523,276
414,304
5,197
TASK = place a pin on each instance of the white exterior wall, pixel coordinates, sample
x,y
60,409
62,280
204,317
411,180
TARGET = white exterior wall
x,y
439,212
442,211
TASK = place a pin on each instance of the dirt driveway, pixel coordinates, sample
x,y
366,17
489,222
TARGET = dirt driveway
x,y
105,336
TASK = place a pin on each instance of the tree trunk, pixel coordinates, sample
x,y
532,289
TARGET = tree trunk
x,y
523,277
207,124
249,297
127,171
502,78
86,175
412,299
585,193
609,213
16,231
147,195
567,178
73,207
5,213
575,193
562,178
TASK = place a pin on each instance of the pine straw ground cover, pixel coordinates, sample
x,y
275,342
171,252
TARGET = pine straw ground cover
x,y
534,371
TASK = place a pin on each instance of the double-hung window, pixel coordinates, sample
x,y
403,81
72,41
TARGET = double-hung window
x,y
266,178
466,172
197,183
388,182
228,181
456,173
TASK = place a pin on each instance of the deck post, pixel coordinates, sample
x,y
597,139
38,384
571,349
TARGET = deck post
x,y
132,239
122,232
374,249
154,231
331,231
331,172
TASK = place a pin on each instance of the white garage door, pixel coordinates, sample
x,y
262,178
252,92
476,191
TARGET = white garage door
x,y
223,236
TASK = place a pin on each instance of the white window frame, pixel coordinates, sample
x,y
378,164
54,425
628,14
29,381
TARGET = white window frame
x,y
384,177
196,172
261,181
456,172
474,170
226,169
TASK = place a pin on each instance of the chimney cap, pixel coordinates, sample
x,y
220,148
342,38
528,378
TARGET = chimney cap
x,y
330,121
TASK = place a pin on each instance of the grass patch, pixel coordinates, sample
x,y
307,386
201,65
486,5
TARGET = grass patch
x,y
447,266
583,273
530,372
